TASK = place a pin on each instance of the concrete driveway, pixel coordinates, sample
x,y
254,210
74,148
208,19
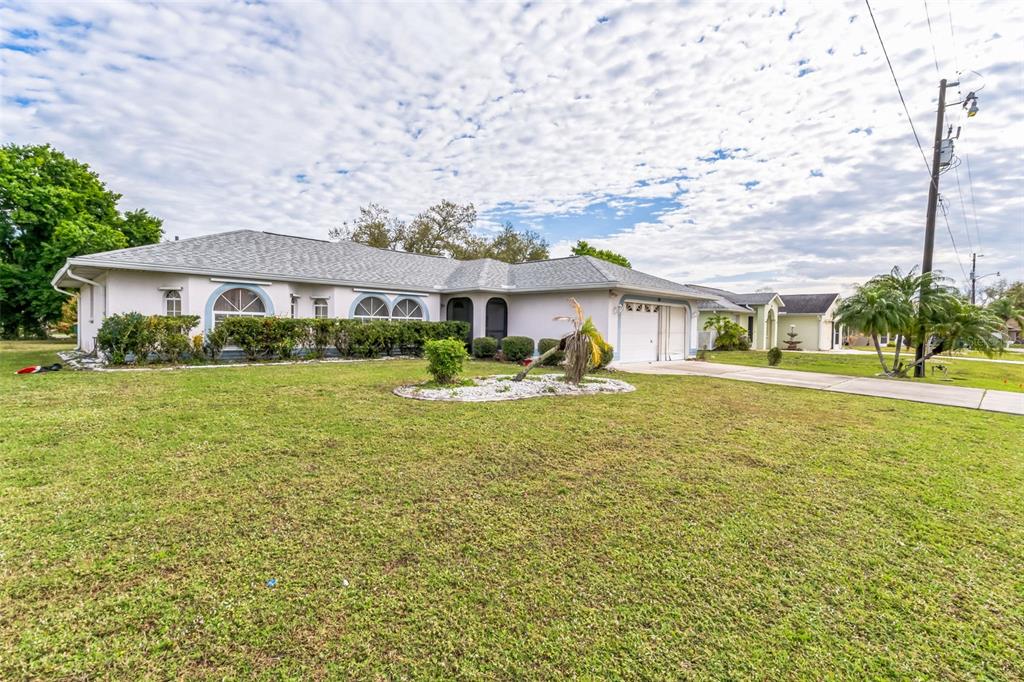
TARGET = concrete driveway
x,y
937,394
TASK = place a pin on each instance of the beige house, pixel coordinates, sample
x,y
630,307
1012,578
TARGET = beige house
x,y
757,312
812,318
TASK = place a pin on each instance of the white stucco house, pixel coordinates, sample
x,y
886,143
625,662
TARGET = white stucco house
x,y
246,272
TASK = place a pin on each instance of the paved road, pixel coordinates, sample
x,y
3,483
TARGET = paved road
x,y
938,394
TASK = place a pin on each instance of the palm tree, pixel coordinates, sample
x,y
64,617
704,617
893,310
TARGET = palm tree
x,y
583,346
926,295
965,324
875,310
1005,309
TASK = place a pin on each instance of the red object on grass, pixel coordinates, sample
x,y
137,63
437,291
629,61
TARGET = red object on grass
x,y
527,362
34,369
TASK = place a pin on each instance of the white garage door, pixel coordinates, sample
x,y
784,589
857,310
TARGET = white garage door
x,y
639,337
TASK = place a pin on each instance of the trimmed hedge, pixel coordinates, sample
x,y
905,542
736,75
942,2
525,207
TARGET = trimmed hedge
x,y
485,347
544,345
279,337
517,348
140,336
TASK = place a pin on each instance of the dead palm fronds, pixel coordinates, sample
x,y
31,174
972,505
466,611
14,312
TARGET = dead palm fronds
x,y
583,347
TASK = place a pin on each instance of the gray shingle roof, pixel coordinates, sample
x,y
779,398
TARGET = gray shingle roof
x,y
759,298
265,255
808,304
720,302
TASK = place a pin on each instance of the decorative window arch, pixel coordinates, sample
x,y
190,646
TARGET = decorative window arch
x,y
371,308
407,309
172,304
238,302
320,308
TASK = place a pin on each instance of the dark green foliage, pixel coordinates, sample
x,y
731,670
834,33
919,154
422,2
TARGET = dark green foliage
x,y
729,335
277,337
51,208
140,336
582,248
607,355
544,345
445,358
485,347
774,356
517,348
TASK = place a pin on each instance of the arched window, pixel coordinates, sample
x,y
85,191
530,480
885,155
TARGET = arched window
x,y
371,308
320,308
172,304
236,303
407,309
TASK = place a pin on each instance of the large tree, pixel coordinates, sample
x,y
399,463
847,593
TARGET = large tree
x,y
375,226
51,208
445,229
583,248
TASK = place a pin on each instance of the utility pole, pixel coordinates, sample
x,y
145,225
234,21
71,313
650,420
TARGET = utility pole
x,y
929,226
974,271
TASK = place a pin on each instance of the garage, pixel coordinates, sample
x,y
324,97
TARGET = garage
x,y
639,337
652,331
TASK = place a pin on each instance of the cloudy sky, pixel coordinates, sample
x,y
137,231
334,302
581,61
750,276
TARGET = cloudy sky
x,y
745,145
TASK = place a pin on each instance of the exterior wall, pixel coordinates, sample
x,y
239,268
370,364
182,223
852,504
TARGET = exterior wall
x,y
809,329
126,291
533,314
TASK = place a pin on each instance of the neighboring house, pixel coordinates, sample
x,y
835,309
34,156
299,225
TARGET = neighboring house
x,y
1013,331
758,313
768,316
252,273
811,316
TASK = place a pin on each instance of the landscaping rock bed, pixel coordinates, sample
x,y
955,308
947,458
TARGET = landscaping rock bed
x,y
487,389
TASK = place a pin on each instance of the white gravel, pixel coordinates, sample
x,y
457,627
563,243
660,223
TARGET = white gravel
x,y
487,389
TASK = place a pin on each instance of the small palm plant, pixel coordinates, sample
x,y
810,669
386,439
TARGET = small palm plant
x,y
875,311
584,347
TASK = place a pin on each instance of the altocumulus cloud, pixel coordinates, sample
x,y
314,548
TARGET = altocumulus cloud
x,y
746,145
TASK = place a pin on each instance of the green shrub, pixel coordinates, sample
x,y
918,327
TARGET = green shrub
x,y
517,348
774,356
485,347
122,335
544,345
134,334
319,336
607,355
445,358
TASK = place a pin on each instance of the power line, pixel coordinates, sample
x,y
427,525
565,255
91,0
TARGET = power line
x,y
945,217
967,157
935,54
898,89
963,208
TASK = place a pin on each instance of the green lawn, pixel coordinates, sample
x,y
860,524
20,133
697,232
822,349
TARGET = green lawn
x,y
697,528
995,375
966,353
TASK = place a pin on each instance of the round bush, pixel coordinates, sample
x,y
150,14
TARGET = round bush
x,y
445,358
485,347
774,356
517,348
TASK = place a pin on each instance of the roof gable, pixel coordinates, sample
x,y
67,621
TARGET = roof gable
x,y
808,304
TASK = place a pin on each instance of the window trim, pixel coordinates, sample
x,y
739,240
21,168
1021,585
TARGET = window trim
x,y
208,318
410,299
363,299
321,302
172,295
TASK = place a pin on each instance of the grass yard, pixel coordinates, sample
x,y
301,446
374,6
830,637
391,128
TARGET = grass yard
x,y
694,529
1001,376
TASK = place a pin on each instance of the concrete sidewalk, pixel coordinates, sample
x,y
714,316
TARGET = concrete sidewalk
x,y
937,394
